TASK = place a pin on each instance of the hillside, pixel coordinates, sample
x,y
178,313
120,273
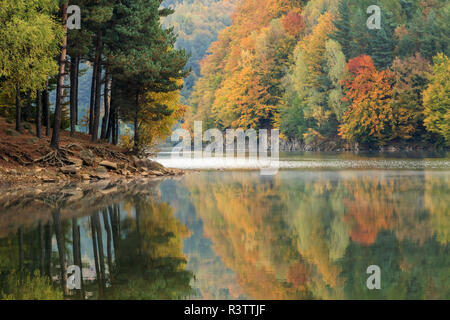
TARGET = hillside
x,y
314,70
197,24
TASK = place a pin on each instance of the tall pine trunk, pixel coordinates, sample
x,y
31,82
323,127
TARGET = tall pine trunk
x,y
41,248
77,252
106,103
95,249
110,129
27,115
61,250
46,110
38,114
108,242
18,110
136,147
92,99
48,251
60,86
76,81
21,254
72,96
98,87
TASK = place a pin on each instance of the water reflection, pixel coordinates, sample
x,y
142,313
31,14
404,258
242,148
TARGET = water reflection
x,y
131,249
313,234
233,235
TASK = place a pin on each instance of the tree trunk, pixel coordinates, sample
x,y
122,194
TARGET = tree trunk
x,y
41,249
115,126
92,100
108,242
114,228
21,255
136,147
46,110
61,250
27,115
72,96
112,112
100,247
48,251
18,110
77,252
31,253
94,246
76,80
106,103
38,114
98,87
60,86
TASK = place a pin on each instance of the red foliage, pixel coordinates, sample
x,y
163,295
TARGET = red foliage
x,y
293,23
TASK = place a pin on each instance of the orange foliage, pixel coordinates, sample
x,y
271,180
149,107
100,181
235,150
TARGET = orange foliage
x,y
293,23
370,117
370,209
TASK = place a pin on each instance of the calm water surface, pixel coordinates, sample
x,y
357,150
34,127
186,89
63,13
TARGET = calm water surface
x,y
309,232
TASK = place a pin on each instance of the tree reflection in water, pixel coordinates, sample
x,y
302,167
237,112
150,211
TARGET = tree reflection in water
x,y
127,250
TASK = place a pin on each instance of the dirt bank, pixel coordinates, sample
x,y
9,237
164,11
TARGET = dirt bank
x,y
27,160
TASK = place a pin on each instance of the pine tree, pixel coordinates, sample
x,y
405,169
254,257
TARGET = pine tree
x,y
343,27
382,42
359,35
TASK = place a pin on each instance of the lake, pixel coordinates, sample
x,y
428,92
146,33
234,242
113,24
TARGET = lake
x,y
224,231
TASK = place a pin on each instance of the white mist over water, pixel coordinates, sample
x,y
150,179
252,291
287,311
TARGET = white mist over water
x,y
299,162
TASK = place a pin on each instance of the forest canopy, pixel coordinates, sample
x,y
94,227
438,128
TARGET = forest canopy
x,y
315,70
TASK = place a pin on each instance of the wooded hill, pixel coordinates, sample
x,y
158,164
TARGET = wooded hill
x,y
316,71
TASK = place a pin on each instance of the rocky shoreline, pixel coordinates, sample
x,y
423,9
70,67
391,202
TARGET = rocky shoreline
x,y
295,145
26,160
80,170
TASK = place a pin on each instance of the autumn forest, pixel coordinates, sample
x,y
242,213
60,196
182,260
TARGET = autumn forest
x,y
317,72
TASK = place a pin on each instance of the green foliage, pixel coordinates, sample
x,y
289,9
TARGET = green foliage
x,y
436,98
29,40
31,287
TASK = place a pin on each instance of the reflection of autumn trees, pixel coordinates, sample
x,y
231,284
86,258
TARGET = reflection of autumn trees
x,y
370,207
315,235
149,262
138,256
315,214
240,216
437,202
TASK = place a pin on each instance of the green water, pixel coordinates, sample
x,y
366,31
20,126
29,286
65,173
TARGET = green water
x,y
306,233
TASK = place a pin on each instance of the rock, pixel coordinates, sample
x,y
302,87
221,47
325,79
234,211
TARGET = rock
x,y
109,164
99,175
101,170
85,176
155,173
147,163
48,180
69,170
87,156
75,161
